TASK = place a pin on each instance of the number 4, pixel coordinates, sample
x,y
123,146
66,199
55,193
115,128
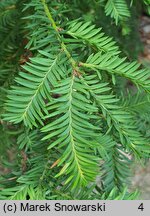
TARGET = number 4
x,y
141,207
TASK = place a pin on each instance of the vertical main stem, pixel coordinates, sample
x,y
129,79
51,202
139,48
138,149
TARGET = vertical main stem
x,y
49,15
63,46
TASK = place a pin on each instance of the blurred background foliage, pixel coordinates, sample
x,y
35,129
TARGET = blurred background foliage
x,y
16,149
